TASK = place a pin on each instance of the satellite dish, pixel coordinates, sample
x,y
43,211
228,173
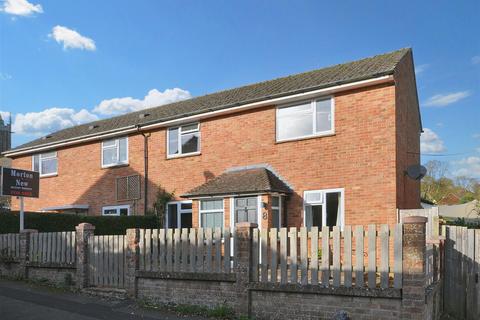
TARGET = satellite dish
x,y
416,172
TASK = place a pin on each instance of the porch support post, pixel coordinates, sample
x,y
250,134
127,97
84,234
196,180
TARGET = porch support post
x,y
83,234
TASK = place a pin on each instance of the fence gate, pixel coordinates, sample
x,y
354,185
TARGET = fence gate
x,y
107,261
462,272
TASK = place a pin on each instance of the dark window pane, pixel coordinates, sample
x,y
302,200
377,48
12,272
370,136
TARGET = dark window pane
x,y
275,216
172,216
186,206
316,216
124,212
190,142
332,208
186,220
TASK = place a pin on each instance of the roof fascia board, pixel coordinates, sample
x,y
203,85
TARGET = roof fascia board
x,y
248,106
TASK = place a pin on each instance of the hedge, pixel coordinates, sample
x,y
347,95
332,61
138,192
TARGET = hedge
x,y
54,222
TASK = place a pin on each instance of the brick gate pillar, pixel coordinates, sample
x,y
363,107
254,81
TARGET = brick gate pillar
x,y
25,250
414,279
132,261
243,266
83,234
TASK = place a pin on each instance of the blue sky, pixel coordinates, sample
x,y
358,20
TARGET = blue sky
x,y
67,62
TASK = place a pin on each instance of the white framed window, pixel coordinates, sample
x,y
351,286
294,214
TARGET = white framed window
x,y
183,140
179,214
324,208
114,152
122,210
277,211
211,213
45,163
305,119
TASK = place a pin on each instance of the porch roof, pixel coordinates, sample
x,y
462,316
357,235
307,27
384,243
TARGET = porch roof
x,y
245,181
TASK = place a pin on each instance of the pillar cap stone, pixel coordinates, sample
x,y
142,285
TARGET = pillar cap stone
x,y
29,231
414,220
85,226
246,225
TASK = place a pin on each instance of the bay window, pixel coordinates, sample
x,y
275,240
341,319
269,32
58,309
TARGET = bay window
x,y
306,119
211,213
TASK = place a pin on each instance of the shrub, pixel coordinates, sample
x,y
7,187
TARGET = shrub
x,y
55,222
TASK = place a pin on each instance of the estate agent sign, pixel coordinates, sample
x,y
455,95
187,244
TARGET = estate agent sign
x,y
20,183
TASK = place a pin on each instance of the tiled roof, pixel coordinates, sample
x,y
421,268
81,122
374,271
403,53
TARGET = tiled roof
x,y
257,180
367,68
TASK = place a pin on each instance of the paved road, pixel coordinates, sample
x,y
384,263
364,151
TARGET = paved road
x,y
19,301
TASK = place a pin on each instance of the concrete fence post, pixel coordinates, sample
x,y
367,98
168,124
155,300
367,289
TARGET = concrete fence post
x,y
243,266
414,278
132,261
84,232
24,250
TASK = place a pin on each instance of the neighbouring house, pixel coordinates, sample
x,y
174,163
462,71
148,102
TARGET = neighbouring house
x,y
324,147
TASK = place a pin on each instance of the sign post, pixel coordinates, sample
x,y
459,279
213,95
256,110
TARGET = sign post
x,y
20,183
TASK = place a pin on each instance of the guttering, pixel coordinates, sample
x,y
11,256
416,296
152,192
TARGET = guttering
x,y
243,107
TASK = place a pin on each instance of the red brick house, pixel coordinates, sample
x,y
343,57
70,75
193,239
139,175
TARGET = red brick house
x,y
325,147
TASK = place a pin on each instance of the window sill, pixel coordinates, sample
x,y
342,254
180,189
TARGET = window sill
x,y
50,175
330,134
192,154
119,165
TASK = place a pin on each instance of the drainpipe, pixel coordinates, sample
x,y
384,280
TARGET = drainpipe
x,y
145,169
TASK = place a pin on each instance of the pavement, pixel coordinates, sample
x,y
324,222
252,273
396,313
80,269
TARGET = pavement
x,y
23,301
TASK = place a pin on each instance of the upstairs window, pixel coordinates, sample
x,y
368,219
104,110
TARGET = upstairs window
x,y
45,163
114,152
306,119
183,140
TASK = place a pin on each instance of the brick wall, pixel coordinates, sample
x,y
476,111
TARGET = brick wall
x,y
187,292
407,133
360,157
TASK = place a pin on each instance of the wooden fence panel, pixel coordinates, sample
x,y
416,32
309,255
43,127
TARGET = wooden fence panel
x,y
342,255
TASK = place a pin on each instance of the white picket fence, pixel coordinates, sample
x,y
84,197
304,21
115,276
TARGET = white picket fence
x,y
53,247
352,257
186,250
10,246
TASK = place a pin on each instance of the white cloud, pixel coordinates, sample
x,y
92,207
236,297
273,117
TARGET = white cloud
x,y
476,135
71,39
20,8
430,142
5,115
442,100
50,120
476,60
154,98
421,68
469,167
5,76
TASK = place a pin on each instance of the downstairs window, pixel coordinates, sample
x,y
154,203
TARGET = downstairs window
x,y
323,208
